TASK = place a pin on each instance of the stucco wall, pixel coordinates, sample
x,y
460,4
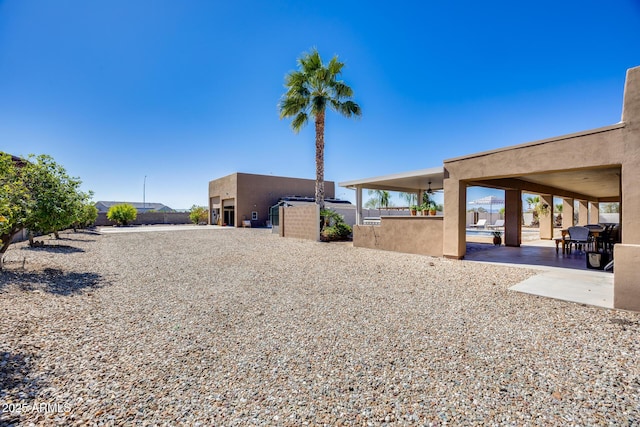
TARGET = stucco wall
x,y
596,148
257,193
414,235
222,191
300,222
626,281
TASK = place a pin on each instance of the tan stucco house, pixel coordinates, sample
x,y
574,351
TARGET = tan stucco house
x,y
591,167
247,197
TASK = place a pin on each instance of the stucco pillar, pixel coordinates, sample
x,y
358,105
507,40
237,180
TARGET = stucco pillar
x,y
546,218
626,286
359,205
512,217
594,213
567,213
630,177
583,212
454,222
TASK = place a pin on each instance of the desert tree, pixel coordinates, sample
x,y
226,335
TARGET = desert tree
x,y
16,202
57,196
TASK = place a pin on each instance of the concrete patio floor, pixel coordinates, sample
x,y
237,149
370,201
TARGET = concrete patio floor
x,y
563,276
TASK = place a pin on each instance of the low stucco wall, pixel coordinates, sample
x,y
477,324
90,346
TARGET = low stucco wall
x,y
626,280
414,235
300,222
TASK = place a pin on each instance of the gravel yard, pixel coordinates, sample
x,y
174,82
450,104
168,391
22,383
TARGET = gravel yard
x,y
241,327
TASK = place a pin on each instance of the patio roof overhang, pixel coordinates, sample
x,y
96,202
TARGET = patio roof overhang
x,y
595,185
583,179
406,182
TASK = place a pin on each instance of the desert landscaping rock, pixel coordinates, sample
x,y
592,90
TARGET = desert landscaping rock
x,y
241,327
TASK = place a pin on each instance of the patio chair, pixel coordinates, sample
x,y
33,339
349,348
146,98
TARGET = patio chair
x,y
579,236
481,223
498,224
610,237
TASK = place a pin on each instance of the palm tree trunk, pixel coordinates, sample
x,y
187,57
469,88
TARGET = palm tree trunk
x,y
320,159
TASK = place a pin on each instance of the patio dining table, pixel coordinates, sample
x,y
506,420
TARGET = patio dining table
x,y
593,232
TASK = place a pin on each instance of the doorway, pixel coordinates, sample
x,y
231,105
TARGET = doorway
x,y
229,215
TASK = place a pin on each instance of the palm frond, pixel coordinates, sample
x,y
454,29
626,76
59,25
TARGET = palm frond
x,y
309,62
353,108
342,90
347,108
299,122
335,66
291,105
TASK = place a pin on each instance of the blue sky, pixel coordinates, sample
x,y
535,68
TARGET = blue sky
x,y
186,92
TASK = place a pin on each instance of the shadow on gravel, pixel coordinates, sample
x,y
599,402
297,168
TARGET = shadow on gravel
x,y
71,239
59,249
52,280
17,384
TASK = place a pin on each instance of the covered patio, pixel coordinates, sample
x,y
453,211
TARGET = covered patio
x,y
410,234
591,167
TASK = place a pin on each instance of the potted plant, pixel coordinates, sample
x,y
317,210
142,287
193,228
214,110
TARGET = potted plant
x,y
432,209
424,209
497,238
414,210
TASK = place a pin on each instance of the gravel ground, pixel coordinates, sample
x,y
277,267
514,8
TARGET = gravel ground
x,y
241,327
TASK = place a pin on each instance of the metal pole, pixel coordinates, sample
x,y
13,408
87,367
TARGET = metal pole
x,y
144,190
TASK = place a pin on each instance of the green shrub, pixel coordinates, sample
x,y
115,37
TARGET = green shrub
x,y
339,231
334,228
122,214
86,215
198,214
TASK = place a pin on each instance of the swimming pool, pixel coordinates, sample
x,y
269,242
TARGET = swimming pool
x,y
481,233
489,233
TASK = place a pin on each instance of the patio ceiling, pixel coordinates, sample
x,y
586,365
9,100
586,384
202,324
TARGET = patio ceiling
x,y
601,184
405,182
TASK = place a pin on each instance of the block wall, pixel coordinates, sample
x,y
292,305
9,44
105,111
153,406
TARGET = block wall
x,y
300,222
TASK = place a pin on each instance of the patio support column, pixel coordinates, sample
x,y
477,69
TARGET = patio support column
x,y
626,288
512,217
358,205
546,220
567,213
455,218
420,196
583,212
594,213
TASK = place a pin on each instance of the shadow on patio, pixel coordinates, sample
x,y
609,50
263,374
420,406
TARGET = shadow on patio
x,y
565,277
537,253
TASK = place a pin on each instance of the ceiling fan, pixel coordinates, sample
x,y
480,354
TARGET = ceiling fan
x,y
430,191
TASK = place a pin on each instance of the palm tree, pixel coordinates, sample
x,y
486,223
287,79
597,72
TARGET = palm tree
x,y
381,199
410,198
310,90
532,201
